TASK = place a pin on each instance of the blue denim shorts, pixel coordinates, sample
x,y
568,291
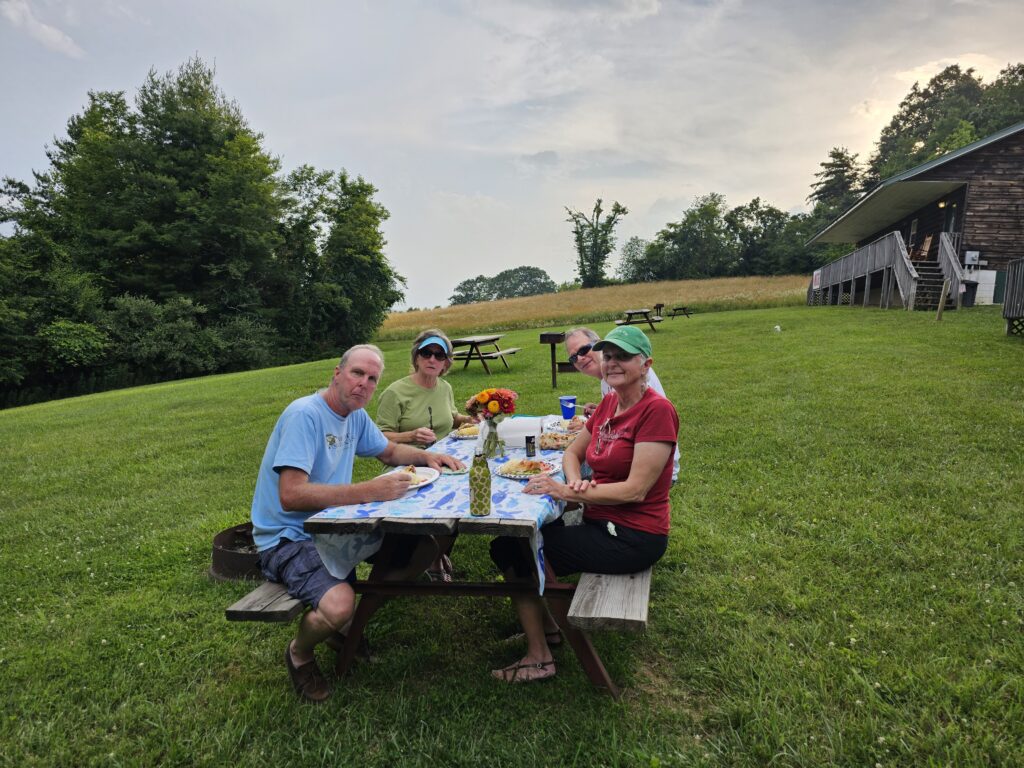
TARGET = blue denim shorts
x,y
297,565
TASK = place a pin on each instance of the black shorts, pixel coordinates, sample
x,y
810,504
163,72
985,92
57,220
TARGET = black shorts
x,y
590,548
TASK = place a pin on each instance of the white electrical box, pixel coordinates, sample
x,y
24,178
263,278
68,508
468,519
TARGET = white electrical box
x,y
971,257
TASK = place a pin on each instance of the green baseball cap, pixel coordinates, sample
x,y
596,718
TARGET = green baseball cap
x,y
626,337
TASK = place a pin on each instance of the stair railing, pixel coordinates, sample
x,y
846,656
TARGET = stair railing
x,y
886,251
951,268
906,275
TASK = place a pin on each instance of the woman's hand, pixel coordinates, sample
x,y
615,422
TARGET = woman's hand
x,y
580,486
423,436
588,410
540,485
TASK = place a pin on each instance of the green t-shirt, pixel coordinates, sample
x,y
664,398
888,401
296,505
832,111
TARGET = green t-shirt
x,y
404,406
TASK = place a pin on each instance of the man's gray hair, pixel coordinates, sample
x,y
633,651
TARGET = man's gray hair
x,y
359,347
591,335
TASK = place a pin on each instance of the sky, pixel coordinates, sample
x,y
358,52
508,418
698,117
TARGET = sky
x,y
479,121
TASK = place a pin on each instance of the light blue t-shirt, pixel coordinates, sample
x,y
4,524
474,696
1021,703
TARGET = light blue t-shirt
x,y
311,437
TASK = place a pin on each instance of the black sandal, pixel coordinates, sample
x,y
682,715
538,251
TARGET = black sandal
x,y
510,674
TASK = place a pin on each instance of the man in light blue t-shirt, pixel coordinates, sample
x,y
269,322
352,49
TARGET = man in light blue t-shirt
x,y
307,467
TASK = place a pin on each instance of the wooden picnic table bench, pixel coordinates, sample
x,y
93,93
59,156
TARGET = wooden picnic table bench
x,y
611,601
474,351
598,602
681,311
639,317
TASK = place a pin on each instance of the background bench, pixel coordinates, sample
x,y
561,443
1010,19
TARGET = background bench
x,y
681,311
640,321
462,354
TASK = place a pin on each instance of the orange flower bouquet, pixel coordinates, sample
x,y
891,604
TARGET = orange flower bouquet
x,y
492,405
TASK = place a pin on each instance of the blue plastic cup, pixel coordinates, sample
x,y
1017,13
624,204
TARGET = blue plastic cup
x,y
568,403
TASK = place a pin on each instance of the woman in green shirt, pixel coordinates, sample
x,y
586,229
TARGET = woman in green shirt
x,y
420,409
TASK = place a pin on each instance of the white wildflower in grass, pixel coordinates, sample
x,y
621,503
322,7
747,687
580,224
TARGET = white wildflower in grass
x,y
103,641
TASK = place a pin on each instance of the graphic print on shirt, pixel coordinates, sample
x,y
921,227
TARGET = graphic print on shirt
x,y
606,436
336,442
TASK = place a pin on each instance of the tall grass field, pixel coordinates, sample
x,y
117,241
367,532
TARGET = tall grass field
x,y
842,587
595,305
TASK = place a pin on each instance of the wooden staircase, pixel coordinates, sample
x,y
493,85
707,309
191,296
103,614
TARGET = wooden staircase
x,y
929,287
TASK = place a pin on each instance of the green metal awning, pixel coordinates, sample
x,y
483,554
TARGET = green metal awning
x,y
885,205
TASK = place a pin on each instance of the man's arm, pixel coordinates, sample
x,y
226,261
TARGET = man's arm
x,y
397,455
298,494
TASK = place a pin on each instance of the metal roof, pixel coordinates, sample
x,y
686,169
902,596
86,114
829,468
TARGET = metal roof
x,y
899,195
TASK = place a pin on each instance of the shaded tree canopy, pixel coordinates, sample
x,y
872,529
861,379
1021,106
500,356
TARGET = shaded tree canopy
x,y
633,266
518,281
162,241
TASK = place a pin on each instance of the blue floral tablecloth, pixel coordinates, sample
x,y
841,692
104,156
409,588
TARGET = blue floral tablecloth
x,y
446,497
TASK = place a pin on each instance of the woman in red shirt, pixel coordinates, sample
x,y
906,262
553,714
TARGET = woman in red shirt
x,y
628,444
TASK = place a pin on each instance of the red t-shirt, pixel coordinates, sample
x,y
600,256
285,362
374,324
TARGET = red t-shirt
x,y
610,455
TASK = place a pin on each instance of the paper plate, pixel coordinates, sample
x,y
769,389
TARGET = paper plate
x,y
546,468
459,436
426,476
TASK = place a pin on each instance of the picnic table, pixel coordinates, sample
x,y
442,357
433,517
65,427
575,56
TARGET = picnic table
x,y
639,317
442,508
474,351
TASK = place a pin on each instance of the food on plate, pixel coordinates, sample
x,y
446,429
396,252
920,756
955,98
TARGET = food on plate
x,y
525,467
450,471
575,424
416,479
469,430
556,441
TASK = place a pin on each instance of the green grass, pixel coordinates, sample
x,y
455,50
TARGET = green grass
x,y
843,584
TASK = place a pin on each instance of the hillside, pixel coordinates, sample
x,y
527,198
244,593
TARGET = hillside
x,y
841,587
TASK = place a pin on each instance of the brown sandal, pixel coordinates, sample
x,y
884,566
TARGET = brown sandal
x,y
307,679
510,674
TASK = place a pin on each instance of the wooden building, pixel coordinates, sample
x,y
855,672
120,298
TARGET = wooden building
x,y
956,221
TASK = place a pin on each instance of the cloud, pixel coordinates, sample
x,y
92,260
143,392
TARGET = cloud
x,y
20,14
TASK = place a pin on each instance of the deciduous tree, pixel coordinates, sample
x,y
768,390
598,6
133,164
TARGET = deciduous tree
x,y
594,238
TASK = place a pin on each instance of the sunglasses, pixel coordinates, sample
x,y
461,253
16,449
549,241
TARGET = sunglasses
x,y
581,352
619,355
425,352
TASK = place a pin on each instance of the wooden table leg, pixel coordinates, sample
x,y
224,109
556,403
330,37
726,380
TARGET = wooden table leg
x,y
558,597
482,359
498,349
554,369
368,605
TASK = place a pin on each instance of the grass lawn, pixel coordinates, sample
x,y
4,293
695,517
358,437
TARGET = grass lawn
x,y
843,584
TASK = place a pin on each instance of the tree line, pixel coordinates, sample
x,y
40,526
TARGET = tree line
x,y
712,239
163,241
